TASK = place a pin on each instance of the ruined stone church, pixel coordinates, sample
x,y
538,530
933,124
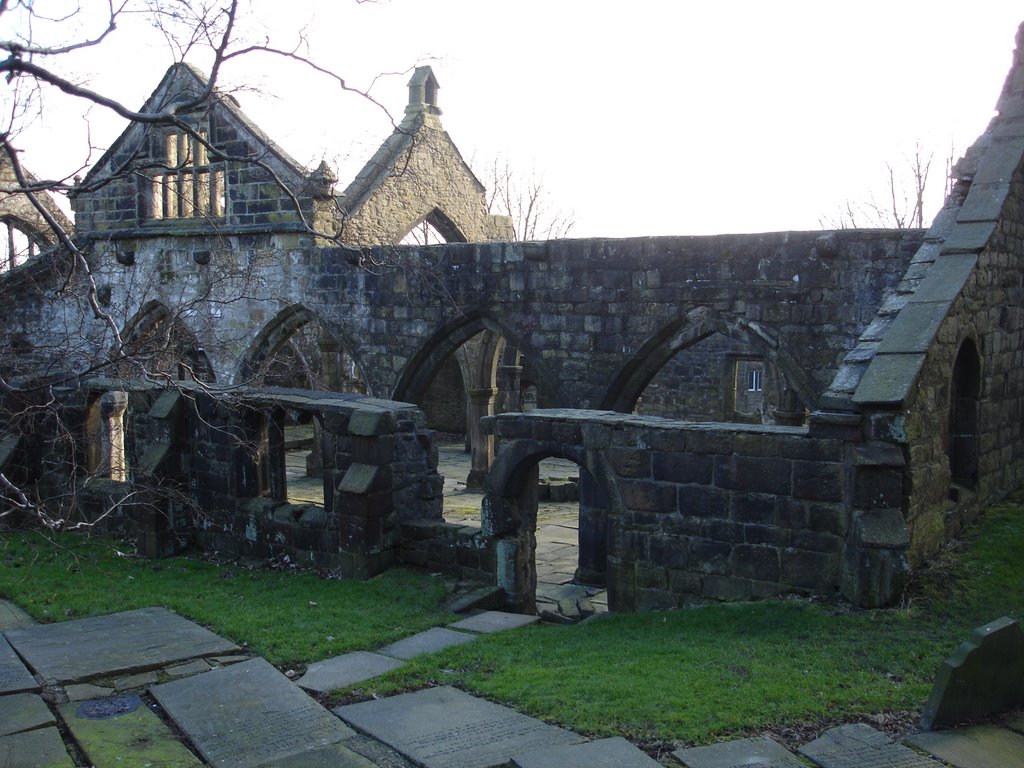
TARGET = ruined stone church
x,y
752,415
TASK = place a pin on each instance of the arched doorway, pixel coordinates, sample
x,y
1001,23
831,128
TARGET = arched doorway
x,y
529,538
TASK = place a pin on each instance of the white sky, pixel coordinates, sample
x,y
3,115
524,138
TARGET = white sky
x,y
650,117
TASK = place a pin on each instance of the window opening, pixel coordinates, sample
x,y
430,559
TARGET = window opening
x,y
192,187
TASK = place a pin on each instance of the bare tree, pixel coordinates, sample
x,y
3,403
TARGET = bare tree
x,y
526,199
906,189
40,39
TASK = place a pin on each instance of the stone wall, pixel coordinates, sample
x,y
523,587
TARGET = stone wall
x,y
206,467
695,511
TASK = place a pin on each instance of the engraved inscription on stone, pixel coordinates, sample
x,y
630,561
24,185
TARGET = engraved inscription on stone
x,y
861,746
742,753
247,712
446,728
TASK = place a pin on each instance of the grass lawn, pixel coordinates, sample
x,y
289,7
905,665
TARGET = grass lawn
x,y
691,676
696,676
288,617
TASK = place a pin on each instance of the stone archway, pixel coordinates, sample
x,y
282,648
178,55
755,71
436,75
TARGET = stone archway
x,y
159,342
793,392
509,514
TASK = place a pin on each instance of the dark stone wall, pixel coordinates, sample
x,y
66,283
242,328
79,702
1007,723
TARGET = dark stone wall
x,y
695,511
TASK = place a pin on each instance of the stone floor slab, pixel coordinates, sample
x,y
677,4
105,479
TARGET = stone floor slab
x,y
194,667
83,691
141,680
429,641
12,617
446,728
14,675
23,712
247,714
760,752
494,621
345,670
605,753
42,748
861,746
981,747
122,731
75,651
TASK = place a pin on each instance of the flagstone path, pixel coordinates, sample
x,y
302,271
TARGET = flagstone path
x,y
150,688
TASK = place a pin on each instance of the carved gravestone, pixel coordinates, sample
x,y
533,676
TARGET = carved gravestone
x,y
984,676
861,746
446,728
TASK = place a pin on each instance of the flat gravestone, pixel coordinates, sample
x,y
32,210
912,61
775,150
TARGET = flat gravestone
x,y
122,731
74,651
331,756
42,748
984,676
345,670
761,752
861,746
23,712
247,714
446,728
14,676
494,621
980,747
605,753
436,639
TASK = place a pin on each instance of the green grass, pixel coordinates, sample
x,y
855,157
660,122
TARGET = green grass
x,y
689,676
698,675
288,617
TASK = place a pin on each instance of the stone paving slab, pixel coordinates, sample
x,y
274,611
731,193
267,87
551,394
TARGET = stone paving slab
x,y
861,746
760,752
605,753
14,675
494,621
247,714
83,691
12,617
446,728
41,748
23,712
345,670
986,746
429,641
75,651
122,731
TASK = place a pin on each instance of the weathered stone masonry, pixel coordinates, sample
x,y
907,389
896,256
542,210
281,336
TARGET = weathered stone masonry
x,y
900,357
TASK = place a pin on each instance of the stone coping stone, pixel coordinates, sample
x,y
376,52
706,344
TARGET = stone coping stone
x,y
428,641
12,617
42,748
345,670
247,714
861,746
494,621
447,728
760,752
23,712
121,730
985,746
14,676
147,638
605,753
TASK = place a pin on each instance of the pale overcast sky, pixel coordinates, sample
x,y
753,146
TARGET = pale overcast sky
x,y
645,118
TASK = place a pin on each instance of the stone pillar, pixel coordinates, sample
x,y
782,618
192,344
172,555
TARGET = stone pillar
x,y
509,381
112,462
593,532
480,403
